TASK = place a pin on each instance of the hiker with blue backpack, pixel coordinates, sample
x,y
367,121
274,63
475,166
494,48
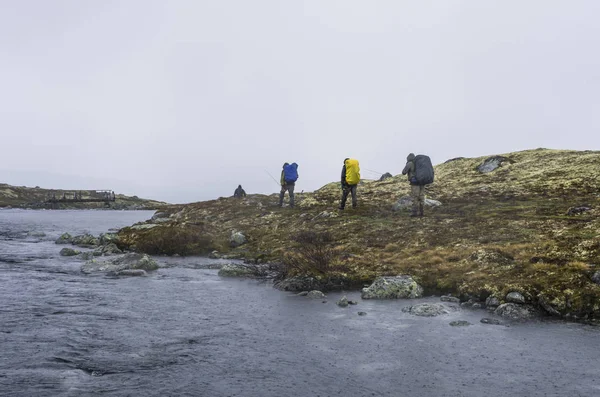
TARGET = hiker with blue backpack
x,y
289,176
420,173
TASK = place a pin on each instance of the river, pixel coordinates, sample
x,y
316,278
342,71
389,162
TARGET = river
x,y
184,331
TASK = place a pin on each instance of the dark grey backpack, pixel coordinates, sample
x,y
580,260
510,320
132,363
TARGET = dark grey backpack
x,y
423,170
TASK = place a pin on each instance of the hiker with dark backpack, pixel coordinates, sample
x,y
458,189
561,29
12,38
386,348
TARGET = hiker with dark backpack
x,y
420,173
289,176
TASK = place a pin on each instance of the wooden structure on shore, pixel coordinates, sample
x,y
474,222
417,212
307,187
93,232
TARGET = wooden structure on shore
x,y
98,196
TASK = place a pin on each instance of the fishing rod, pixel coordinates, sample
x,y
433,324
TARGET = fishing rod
x,y
274,180
375,172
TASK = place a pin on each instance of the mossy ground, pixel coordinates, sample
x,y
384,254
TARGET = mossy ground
x,y
507,230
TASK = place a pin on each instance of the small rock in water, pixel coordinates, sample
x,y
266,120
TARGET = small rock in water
x,y
452,299
362,313
65,238
427,309
343,302
492,321
303,293
316,295
460,323
352,302
397,287
68,252
132,273
492,302
516,311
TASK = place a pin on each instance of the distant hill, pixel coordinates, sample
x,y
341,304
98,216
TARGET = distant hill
x,y
525,222
35,197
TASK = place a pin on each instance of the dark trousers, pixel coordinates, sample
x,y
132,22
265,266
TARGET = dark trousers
x,y
290,189
346,189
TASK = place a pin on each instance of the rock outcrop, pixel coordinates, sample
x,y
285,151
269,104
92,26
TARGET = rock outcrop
x,y
428,309
397,287
125,262
516,311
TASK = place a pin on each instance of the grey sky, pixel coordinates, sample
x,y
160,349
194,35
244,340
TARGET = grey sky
x,y
184,100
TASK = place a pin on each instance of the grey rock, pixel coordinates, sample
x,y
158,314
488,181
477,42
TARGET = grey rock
x,y
385,176
214,255
471,304
86,256
427,309
405,203
125,262
544,304
578,210
315,295
68,252
107,250
297,284
235,270
144,226
132,273
493,163
452,299
362,313
36,234
303,293
236,239
516,311
596,277
393,288
108,238
343,302
492,302
159,215
352,302
515,297
65,238
85,240
492,321
460,323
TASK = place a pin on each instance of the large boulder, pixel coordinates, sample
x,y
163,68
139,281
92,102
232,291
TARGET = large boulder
x,y
316,295
515,297
492,163
516,311
385,176
85,240
393,288
68,252
235,270
236,239
405,203
65,238
427,309
298,284
125,262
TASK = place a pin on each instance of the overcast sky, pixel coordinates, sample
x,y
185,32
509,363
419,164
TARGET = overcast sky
x,y
183,100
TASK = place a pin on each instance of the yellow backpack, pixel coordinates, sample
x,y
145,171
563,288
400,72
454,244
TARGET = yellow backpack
x,y
352,172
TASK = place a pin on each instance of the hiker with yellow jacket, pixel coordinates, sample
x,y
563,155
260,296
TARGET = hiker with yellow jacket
x,y
350,179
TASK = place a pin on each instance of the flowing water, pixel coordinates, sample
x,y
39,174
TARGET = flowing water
x,y
183,331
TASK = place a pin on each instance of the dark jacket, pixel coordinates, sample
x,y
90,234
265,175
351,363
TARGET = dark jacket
x,y
239,192
409,168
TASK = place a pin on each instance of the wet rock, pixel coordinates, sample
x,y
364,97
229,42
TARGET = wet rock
x,y
235,270
516,311
393,288
108,238
385,176
460,323
362,313
144,226
352,302
493,163
427,309
303,293
452,299
596,277
492,302
85,240
471,304
214,255
544,304
315,295
405,203
578,210
125,262
297,284
36,234
68,252
65,238
492,321
515,297
343,302
236,239
107,250
132,273
86,256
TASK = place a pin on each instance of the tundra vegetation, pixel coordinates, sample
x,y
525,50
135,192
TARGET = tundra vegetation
x,y
530,226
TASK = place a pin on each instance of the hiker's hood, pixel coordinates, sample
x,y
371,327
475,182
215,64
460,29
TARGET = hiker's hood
x,y
410,157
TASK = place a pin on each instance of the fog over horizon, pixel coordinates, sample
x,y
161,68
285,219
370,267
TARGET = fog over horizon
x,y
183,100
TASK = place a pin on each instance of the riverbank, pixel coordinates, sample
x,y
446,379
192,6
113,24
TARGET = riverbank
x,y
524,222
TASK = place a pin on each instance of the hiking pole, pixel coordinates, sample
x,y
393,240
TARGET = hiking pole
x,y
274,180
366,169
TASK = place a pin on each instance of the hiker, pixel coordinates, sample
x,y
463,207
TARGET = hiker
x,y
420,173
289,176
239,192
350,179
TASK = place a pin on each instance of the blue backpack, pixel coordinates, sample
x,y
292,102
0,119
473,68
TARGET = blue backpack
x,y
290,172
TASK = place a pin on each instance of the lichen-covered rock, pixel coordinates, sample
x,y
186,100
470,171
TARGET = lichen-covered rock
x,y
107,250
85,240
493,163
385,176
596,277
68,252
315,295
515,297
235,270
125,262
144,226
427,309
298,284
405,203
343,302
397,287
516,311
65,238
237,239
87,255
460,323
492,321
492,302
214,255
108,238
578,210
132,273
